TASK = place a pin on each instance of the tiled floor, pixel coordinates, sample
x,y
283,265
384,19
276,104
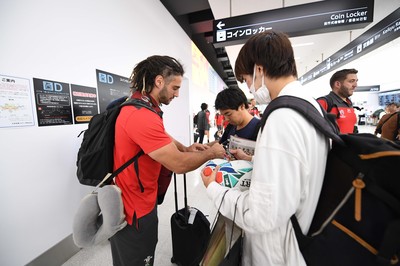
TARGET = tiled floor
x,y
101,254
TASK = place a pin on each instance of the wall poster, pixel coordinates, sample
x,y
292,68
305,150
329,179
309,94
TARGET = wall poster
x,y
110,87
16,107
53,102
84,102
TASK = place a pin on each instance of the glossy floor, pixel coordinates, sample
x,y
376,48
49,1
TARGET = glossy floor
x,y
101,254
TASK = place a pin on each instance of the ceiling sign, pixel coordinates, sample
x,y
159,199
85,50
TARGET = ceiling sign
x,y
381,33
300,20
371,88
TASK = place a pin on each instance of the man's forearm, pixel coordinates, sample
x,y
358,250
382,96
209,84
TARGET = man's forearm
x,y
180,146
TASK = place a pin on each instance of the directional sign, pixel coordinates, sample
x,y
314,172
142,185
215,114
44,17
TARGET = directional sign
x,y
368,88
220,25
300,20
381,33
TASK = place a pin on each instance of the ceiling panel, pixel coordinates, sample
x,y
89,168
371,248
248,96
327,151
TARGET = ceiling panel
x,y
307,56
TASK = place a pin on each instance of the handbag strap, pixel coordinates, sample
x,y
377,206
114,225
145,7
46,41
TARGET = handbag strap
x,y
234,217
216,216
233,224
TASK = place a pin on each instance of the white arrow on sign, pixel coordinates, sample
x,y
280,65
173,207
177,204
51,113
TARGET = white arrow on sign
x,y
220,25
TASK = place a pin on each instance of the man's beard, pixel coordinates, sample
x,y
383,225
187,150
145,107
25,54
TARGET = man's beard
x,y
344,92
163,96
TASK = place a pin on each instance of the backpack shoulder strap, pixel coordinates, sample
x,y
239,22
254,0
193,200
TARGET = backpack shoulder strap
x,y
139,104
379,126
256,129
398,126
111,176
329,102
330,105
321,123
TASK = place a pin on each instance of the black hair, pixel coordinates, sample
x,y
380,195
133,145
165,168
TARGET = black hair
x,y
204,106
230,98
270,49
341,75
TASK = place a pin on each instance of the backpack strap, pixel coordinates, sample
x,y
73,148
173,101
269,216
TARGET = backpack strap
x,y
306,109
138,104
397,131
398,126
324,124
303,240
379,127
330,105
256,129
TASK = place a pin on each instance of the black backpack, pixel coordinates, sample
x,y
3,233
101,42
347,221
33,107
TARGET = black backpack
x,y
96,155
357,220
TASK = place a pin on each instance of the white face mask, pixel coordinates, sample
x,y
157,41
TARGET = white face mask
x,y
262,94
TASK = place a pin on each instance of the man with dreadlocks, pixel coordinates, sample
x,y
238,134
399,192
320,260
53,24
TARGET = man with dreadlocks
x,y
156,81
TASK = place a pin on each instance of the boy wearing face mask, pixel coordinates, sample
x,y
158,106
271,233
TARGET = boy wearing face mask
x,y
289,161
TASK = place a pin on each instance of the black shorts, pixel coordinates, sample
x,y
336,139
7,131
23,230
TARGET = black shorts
x,y
135,244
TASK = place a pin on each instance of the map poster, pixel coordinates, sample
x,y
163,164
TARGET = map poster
x,y
15,102
84,102
110,88
53,102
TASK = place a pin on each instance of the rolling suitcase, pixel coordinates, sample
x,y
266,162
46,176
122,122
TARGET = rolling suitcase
x,y
190,232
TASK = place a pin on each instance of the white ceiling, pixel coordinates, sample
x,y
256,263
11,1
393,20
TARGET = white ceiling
x,y
324,45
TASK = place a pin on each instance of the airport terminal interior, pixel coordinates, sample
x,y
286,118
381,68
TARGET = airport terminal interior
x,y
85,51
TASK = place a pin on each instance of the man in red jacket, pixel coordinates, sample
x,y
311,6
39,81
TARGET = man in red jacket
x,y
337,102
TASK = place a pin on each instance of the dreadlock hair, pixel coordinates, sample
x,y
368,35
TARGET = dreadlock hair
x,y
144,74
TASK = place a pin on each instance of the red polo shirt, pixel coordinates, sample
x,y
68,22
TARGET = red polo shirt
x,y
135,130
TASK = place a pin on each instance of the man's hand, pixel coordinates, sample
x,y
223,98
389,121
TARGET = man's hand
x,y
210,178
240,154
197,147
218,151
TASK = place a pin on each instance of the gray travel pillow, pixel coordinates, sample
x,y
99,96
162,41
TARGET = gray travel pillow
x,y
100,215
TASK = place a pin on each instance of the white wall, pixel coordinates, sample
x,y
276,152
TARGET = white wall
x,y
66,41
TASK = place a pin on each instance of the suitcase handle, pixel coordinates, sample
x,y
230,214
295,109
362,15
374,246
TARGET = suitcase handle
x,y
185,197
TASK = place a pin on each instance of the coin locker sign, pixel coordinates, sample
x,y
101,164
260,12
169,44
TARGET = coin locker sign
x,y
300,20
